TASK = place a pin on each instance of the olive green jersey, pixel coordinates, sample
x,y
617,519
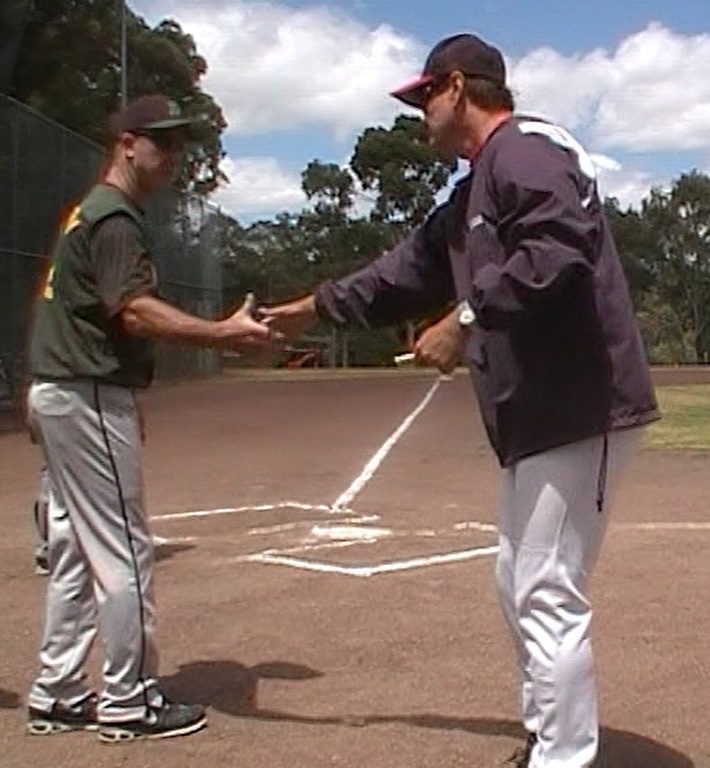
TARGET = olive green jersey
x,y
100,262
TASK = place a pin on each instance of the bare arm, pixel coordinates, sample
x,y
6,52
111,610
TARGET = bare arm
x,y
147,316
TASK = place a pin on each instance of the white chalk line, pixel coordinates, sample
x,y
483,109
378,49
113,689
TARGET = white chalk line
x,y
341,537
338,537
257,508
323,537
474,525
468,525
697,526
364,477
301,549
161,541
339,505
271,529
336,532
364,571
285,557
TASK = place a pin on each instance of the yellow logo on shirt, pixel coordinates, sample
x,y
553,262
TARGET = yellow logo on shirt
x,y
69,222
48,292
72,220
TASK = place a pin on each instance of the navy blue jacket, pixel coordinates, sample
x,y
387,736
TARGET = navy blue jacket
x,y
557,356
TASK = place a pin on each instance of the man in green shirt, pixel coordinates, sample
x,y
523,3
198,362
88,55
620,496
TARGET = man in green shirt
x,y
90,349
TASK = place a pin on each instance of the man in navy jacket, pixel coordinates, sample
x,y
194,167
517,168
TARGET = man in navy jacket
x,y
544,319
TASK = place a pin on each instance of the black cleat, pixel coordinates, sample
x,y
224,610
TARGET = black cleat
x,y
61,718
161,723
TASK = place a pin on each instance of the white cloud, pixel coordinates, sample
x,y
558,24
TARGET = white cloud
x,y
628,185
258,187
651,94
275,67
272,67
564,89
663,98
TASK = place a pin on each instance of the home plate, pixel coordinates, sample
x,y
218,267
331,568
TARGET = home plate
x,y
350,532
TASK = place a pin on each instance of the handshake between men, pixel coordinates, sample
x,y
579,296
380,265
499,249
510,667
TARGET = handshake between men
x,y
440,346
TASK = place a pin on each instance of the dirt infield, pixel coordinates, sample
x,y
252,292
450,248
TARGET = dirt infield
x,y
369,634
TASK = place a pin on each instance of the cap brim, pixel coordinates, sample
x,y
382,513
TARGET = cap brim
x,y
412,93
172,122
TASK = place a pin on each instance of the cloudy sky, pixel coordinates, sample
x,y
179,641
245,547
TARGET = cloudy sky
x,y
300,80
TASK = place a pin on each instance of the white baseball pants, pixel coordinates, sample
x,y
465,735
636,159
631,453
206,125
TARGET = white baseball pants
x,y
553,516
100,550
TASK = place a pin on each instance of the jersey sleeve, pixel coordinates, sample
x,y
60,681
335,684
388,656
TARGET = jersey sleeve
x,y
122,265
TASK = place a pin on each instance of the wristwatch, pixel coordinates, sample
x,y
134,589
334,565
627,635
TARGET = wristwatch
x,y
464,314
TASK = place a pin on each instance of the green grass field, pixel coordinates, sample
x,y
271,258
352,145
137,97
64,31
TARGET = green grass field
x,y
686,419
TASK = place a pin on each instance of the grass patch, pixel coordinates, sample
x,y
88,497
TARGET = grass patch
x,y
685,422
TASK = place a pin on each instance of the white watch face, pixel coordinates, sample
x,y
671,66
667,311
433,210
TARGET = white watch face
x,y
466,315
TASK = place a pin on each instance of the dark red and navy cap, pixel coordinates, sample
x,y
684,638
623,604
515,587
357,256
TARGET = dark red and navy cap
x,y
149,113
464,53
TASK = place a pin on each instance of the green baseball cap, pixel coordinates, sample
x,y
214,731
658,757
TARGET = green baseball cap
x,y
149,113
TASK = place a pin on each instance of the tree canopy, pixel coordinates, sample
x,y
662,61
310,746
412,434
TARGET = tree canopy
x,y
679,224
665,248
69,68
357,212
402,168
664,245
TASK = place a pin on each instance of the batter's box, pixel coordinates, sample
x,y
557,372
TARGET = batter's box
x,y
358,550
340,542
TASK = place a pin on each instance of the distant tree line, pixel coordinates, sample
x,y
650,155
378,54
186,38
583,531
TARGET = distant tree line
x,y
356,212
664,244
66,63
665,247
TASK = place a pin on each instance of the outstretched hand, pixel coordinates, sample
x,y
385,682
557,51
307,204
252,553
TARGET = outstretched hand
x,y
243,329
291,319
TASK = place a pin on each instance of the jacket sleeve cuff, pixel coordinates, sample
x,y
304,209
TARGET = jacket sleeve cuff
x,y
325,305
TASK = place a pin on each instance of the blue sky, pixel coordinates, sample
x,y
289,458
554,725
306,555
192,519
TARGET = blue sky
x,y
300,80
570,27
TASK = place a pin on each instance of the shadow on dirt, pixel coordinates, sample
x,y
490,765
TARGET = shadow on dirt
x,y
9,699
618,749
170,549
229,686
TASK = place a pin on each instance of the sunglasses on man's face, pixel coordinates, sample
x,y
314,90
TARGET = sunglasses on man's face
x,y
439,82
165,141
433,87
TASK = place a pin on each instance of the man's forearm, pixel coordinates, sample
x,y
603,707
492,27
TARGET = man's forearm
x,y
148,316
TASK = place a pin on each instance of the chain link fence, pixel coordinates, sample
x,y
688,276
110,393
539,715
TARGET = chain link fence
x,y
44,169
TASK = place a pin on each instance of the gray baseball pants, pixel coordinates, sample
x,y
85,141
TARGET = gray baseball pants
x,y
100,550
553,517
